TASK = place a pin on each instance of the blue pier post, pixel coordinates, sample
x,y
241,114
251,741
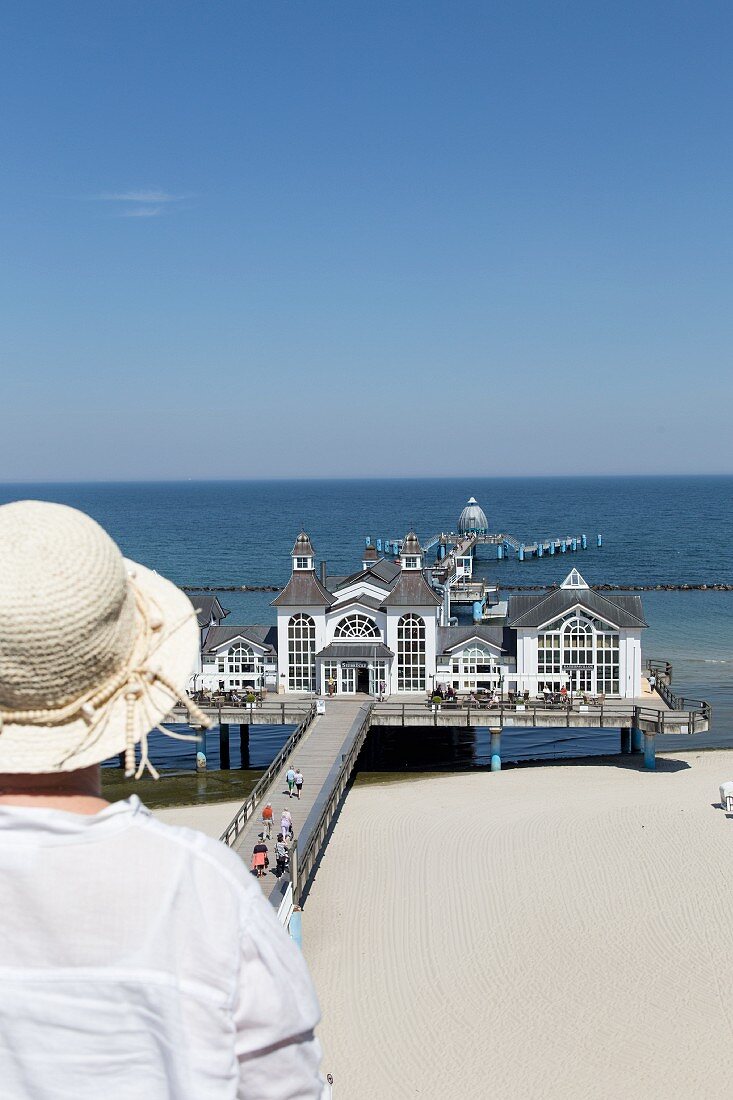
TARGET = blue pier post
x,y
575,545
552,547
540,549
478,611
369,540
499,552
495,732
650,759
521,552
600,540
379,546
636,736
295,927
563,546
583,542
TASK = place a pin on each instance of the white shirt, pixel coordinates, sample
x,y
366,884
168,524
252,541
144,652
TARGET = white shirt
x,y
142,960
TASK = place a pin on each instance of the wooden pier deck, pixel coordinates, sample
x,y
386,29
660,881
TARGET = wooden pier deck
x,y
318,755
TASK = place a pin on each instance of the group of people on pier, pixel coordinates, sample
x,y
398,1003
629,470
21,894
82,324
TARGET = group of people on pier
x,y
260,852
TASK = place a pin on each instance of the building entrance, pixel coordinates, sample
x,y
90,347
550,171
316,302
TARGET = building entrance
x,y
362,681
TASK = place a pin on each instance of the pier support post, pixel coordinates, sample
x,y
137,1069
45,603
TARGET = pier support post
x,y
626,740
495,732
244,744
650,760
636,739
224,757
295,927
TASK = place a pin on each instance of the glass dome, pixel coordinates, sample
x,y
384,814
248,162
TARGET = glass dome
x,y
473,519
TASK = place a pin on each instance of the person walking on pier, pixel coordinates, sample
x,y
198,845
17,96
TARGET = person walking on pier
x,y
286,825
290,780
298,782
267,820
652,682
281,856
97,900
260,859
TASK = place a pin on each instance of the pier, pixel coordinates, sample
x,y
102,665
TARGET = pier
x,y
325,747
331,733
452,545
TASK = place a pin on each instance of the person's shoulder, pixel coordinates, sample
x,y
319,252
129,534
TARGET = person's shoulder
x,y
211,854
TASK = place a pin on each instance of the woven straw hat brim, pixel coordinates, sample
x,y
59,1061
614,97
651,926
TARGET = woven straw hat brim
x,y
78,743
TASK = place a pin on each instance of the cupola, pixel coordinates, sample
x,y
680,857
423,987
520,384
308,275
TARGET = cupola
x,y
370,557
304,556
473,519
411,552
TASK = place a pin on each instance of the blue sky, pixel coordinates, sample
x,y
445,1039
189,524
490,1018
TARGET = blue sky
x,y
412,238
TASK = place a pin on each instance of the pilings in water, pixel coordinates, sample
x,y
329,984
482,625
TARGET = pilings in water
x,y
224,754
495,732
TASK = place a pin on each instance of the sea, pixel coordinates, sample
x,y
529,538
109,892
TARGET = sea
x,y
655,531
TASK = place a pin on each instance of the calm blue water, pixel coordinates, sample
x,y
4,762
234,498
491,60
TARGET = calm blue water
x,y
656,530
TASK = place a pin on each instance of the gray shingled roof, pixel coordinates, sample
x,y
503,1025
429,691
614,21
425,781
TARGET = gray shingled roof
x,y
366,601
448,637
355,651
528,611
204,604
303,590
383,574
265,636
411,590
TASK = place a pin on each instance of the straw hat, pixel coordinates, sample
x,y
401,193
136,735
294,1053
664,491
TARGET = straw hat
x,y
94,649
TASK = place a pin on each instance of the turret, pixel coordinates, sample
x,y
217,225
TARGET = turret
x,y
411,553
370,557
303,555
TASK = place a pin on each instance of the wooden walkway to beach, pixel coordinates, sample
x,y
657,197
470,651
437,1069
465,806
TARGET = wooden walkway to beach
x,y
318,756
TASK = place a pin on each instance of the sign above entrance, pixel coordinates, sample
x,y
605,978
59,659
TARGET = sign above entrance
x,y
355,664
577,668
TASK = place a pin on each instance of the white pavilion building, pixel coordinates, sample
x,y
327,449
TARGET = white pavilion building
x,y
380,630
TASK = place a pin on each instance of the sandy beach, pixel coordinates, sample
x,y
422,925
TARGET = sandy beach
x,y
549,932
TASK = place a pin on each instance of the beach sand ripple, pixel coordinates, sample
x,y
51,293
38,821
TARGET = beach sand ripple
x,y
547,932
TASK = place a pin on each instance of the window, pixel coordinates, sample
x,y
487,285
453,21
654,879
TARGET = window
x,y
302,563
411,653
302,653
411,563
578,639
356,626
241,658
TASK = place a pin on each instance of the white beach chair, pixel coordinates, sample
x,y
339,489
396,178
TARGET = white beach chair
x,y
726,796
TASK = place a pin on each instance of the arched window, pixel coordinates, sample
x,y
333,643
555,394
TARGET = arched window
x,y
411,653
577,642
580,650
477,659
302,653
240,659
356,626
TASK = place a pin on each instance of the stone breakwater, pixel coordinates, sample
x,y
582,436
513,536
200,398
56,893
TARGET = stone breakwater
x,y
505,587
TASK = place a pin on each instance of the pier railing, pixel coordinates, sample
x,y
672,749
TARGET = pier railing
x,y
682,702
612,713
304,854
245,811
659,667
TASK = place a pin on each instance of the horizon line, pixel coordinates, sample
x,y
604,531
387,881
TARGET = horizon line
x,y
361,478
